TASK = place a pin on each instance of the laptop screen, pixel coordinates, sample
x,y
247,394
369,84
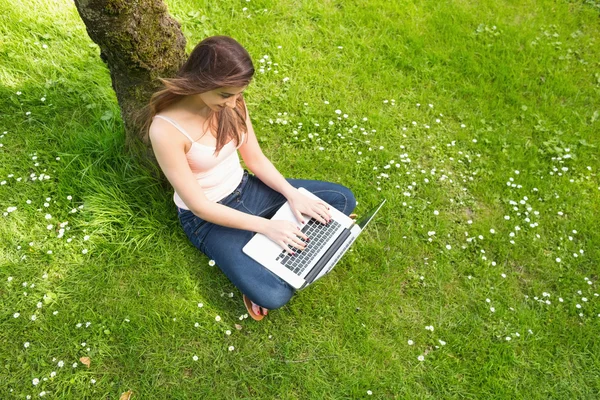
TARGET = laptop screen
x,y
362,222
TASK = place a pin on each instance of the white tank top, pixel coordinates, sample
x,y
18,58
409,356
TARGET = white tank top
x,y
218,175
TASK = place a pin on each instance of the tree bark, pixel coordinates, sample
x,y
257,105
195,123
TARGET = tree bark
x,y
139,41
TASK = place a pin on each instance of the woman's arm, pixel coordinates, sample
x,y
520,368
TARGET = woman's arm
x,y
169,149
264,170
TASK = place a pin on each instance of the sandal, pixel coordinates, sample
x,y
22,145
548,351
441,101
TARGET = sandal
x,y
262,311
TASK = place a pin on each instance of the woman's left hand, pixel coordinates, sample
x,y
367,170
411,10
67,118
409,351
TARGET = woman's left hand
x,y
317,209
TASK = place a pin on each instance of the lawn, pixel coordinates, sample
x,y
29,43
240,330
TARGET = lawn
x,y
477,121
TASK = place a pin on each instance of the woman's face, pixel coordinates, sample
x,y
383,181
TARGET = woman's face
x,y
222,97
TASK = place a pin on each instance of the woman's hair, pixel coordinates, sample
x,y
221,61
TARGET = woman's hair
x,y
215,62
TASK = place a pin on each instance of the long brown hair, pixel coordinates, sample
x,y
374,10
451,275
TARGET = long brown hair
x,y
215,62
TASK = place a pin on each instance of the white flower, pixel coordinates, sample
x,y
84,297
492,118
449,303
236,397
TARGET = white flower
x,y
217,318
448,247
195,358
436,212
492,309
508,338
369,392
558,259
200,305
74,365
42,394
61,364
410,342
16,315
52,374
228,332
92,381
211,263
231,348
421,358
33,317
35,381
442,342
26,344
86,237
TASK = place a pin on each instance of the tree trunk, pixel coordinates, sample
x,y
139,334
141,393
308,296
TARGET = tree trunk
x,y
139,41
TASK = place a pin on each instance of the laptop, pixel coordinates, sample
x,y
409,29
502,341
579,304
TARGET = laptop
x,y
327,245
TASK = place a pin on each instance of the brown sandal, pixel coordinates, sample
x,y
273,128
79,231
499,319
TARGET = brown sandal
x,y
248,304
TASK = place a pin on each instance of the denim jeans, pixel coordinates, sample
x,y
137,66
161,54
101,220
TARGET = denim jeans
x,y
224,245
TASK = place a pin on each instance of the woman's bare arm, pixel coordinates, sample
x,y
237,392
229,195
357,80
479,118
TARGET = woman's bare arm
x,y
169,150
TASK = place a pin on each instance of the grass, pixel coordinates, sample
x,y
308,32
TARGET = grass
x,y
515,87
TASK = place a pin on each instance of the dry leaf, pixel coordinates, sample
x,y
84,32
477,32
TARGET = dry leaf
x,y
85,361
238,327
126,395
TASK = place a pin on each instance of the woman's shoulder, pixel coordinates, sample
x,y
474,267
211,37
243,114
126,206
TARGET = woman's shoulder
x,y
163,129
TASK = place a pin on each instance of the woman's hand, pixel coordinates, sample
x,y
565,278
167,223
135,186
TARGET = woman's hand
x,y
316,209
285,233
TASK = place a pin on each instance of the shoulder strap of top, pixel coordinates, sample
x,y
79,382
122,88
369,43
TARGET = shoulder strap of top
x,y
176,125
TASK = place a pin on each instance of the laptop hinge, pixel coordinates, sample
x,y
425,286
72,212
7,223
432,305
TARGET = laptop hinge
x,y
314,272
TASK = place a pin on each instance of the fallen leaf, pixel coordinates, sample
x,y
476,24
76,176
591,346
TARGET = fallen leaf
x,y
126,395
85,361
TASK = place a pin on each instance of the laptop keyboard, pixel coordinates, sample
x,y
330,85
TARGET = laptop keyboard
x,y
318,234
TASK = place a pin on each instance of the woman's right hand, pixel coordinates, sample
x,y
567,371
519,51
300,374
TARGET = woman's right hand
x,y
285,233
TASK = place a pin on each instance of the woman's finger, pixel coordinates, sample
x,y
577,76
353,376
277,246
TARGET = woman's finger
x,y
299,216
320,216
285,247
301,235
297,243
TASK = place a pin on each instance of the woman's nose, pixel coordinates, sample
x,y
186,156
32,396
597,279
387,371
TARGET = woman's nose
x,y
231,102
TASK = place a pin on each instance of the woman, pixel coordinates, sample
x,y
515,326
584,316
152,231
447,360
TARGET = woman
x,y
197,125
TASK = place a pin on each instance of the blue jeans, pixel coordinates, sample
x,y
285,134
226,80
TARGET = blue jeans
x,y
224,245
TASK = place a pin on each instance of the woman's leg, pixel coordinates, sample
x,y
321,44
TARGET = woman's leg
x,y
224,245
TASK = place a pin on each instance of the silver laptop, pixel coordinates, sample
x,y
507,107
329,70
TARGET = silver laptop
x,y
326,246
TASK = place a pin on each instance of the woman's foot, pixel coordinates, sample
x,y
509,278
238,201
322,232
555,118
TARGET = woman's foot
x,y
256,312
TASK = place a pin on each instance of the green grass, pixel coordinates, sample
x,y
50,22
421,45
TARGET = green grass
x,y
515,86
